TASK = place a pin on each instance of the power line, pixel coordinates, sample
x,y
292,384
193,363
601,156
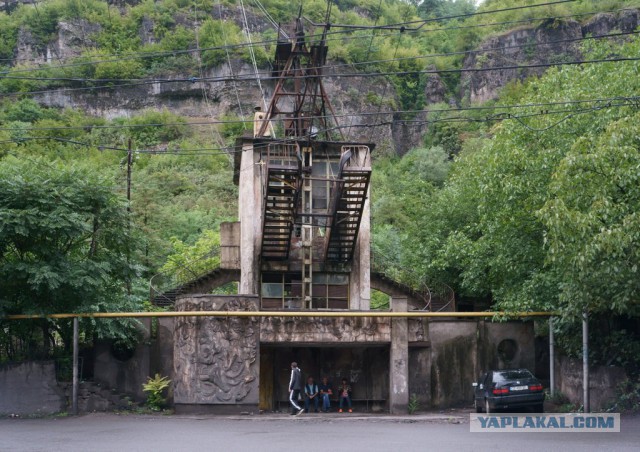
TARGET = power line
x,y
144,55
611,103
342,65
346,115
354,75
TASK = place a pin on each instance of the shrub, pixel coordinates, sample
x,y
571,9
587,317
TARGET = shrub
x,y
414,404
155,387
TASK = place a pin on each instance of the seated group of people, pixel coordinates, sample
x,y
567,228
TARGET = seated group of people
x,y
314,393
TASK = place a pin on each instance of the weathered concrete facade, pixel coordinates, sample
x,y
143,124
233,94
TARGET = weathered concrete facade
x,y
399,360
241,364
250,215
303,244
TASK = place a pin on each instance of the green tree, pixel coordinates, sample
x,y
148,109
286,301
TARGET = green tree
x,y
190,261
64,244
593,233
510,190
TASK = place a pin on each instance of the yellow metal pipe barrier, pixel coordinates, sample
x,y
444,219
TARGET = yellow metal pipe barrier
x,y
409,314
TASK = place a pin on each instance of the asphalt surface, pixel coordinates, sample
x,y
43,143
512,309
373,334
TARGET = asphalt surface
x,y
277,432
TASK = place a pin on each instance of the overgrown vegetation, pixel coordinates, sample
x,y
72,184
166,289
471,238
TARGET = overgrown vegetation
x,y
532,211
628,397
538,213
173,31
68,244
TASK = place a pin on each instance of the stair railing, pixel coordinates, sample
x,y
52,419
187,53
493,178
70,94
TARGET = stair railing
x,y
163,284
431,292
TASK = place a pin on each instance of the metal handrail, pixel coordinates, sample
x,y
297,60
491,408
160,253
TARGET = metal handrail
x,y
163,282
442,291
426,290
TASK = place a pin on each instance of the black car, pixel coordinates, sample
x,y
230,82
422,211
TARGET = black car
x,y
512,388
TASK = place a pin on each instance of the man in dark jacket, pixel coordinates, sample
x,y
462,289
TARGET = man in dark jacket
x,y
295,386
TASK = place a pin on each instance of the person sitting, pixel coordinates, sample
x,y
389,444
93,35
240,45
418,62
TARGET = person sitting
x,y
344,395
311,394
325,394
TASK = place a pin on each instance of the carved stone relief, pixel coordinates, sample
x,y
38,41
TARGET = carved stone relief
x,y
330,330
416,330
216,358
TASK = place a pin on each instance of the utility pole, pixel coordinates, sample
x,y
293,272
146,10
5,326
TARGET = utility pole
x,y
585,360
552,359
75,379
129,164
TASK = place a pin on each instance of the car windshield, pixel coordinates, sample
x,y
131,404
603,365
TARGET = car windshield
x,y
509,375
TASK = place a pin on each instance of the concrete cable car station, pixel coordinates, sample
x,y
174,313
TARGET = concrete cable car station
x,y
302,243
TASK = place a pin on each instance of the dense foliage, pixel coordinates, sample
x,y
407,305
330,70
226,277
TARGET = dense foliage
x,y
540,212
65,245
532,210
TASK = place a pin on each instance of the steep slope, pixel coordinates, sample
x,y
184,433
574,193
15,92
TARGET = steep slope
x,y
551,42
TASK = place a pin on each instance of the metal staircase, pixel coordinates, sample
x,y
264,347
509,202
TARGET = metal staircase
x,y
280,199
349,199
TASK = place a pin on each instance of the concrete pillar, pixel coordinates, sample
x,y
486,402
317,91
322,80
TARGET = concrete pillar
x,y
399,359
360,278
250,215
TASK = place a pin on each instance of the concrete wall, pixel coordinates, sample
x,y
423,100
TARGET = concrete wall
x,y
154,354
123,376
506,345
162,352
30,388
230,245
360,278
453,361
462,349
603,382
326,331
444,358
250,215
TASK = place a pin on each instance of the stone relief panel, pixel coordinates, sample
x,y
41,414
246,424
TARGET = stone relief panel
x,y
216,358
330,330
417,330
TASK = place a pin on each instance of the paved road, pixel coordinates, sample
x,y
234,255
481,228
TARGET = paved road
x,y
326,433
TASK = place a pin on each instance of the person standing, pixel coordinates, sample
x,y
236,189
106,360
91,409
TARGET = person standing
x,y
295,386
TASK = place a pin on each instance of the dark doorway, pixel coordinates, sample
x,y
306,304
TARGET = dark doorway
x,y
365,368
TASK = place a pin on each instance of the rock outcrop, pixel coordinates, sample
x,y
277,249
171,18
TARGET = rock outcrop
x,y
216,94
553,41
435,90
71,39
488,69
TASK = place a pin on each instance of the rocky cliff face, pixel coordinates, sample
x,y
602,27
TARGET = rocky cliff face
x,y
71,39
552,41
357,100
350,96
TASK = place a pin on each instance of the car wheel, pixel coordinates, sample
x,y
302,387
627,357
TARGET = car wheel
x,y
538,408
487,408
477,406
